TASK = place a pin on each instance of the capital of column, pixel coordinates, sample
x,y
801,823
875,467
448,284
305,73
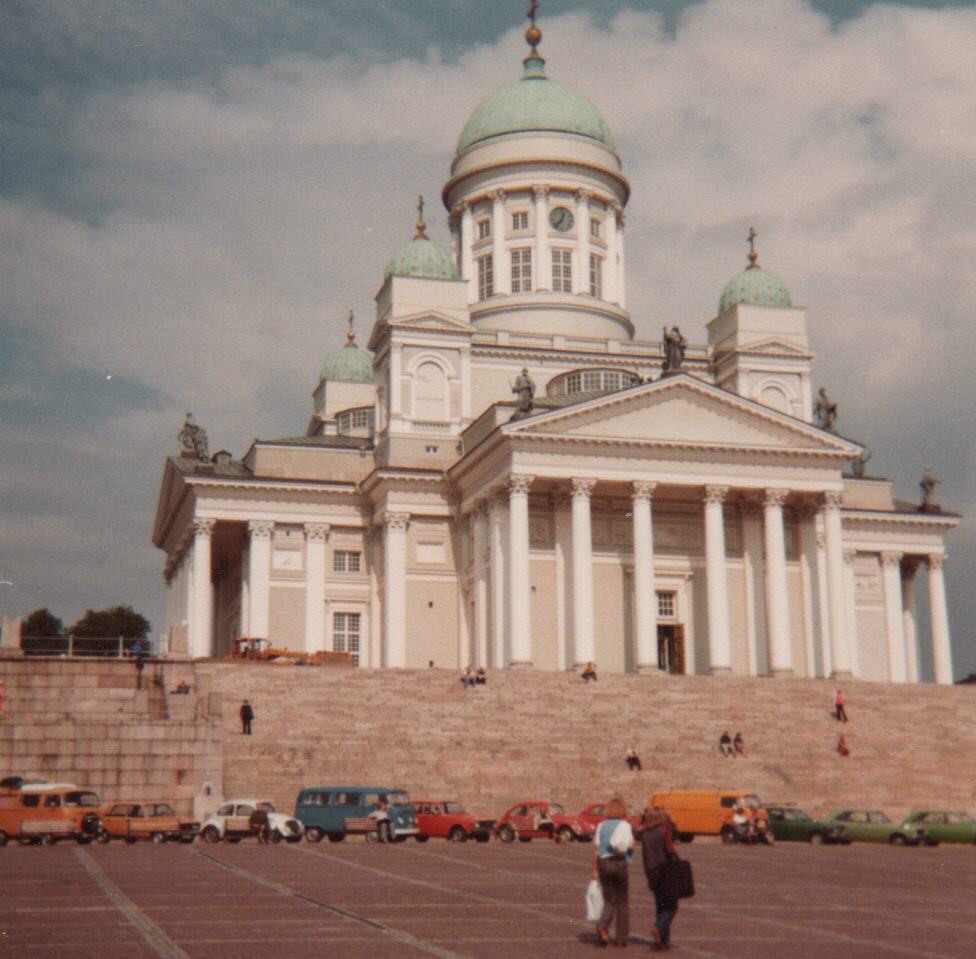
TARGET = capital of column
x,y
481,506
937,560
821,540
540,192
583,196
890,558
497,196
642,490
260,528
581,487
832,499
715,494
317,532
203,528
396,521
775,497
849,556
519,483
618,212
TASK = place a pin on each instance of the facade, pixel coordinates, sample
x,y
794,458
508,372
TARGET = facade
x,y
508,478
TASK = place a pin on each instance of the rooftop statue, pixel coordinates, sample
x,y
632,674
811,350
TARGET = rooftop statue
x,y
859,462
193,441
927,485
524,388
825,410
674,345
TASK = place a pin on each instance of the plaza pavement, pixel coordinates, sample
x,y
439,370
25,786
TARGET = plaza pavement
x,y
362,901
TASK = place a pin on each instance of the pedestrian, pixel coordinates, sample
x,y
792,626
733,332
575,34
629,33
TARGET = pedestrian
x,y
481,677
589,672
840,714
247,716
725,744
842,747
467,678
657,849
633,760
260,825
614,841
381,816
739,744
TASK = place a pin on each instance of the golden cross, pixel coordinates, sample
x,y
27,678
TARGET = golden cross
x,y
753,256
533,6
420,207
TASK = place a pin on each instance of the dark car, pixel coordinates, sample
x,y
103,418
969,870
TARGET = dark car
x,y
786,822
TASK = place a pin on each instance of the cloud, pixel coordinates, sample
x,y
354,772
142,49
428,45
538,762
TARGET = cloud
x,y
209,231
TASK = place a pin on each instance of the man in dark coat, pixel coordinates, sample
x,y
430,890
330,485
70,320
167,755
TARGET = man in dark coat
x,y
247,714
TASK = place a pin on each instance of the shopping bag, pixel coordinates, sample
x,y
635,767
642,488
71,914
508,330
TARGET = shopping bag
x,y
594,901
677,881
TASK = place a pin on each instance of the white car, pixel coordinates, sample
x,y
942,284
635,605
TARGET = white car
x,y
232,821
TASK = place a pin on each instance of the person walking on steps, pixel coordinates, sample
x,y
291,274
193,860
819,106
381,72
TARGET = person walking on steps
x,y
633,759
247,716
840,714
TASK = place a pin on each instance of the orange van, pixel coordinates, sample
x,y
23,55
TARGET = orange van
x,y
701,812
46,812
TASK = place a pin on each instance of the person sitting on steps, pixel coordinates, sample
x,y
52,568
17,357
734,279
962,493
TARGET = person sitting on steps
x,y
589,672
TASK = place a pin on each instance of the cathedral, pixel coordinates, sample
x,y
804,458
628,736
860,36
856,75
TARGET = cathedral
x,y
505,477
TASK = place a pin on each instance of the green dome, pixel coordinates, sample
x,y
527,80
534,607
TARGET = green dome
x,y
755,287
421,257
531,104
348,365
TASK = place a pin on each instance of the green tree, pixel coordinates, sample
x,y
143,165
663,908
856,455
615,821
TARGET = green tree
x,y
42,623
112,622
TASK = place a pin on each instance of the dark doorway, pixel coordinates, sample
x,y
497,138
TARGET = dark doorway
x,y
671,649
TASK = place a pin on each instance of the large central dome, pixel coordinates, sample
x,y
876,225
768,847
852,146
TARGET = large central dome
x,y
534,104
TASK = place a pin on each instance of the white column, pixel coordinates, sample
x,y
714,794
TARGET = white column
x,y
777,597
396,384
201,620
454,225
584,649
520,586
481,547
610,268
501,267
752,554
716,583
823,603
583,241
259,575
621,274
316,535
850,611
840,646
563,547
375,601
645,595
894,618
941,649
808,586
541,268
395,587
498,532
467,254
909,567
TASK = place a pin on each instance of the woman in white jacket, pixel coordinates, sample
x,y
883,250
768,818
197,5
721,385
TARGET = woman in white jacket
x,y
614,841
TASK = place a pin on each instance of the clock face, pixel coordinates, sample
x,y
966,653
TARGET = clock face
x,y
561,219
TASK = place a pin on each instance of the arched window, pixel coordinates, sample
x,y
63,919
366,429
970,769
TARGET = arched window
x,y
774,396
429,392
591,381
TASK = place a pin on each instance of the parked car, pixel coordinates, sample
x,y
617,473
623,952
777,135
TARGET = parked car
x,y
141,819
940,825
593,814
702,812
232,821
449,820
323,810
874,825
787,822
46,812
523,821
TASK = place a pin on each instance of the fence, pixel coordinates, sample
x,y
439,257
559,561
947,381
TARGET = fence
x,y
107,647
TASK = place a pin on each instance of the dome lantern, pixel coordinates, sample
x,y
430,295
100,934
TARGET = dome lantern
x,y
421,257
349,364
754,286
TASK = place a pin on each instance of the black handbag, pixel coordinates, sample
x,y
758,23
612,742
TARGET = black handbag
x,y
676,879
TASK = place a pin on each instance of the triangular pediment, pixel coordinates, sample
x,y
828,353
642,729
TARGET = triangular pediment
x,y
431,320
683,411
775,348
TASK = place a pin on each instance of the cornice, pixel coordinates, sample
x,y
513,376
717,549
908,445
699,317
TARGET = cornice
x,y
922,520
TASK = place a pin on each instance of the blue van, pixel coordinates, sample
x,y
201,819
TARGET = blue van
x,y
323,810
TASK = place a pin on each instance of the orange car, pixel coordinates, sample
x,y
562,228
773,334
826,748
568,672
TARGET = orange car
x,y
142,819
45,812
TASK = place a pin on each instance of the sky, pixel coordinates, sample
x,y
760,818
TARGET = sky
x,y
193,194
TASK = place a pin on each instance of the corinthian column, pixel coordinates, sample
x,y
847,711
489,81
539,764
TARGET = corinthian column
x,y
645,597
894,620
540,269
201,624
583,241
777,598
909,568
840,648
716,583
315,536
501,266
481,553
467,258
941,649
610,270
259,577
585,645
395,586
619,216
520,587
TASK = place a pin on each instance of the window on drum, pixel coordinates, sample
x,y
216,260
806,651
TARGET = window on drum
x,y
522,270
562,271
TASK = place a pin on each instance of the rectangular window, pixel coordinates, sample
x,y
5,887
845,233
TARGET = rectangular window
x,y
522,270
520,220
666,606
574,383
596,276
592,380
486,284
346,561
484,229
562,271
345,634
595,227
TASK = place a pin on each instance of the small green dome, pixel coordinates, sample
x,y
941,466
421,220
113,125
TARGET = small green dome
x,y
421,257
755,287
348,365
534,103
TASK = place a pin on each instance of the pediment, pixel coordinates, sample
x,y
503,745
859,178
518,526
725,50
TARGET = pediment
x,y
685,412
777,348
431,320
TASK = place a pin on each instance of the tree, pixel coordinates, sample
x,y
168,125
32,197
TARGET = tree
x,y
112,622
42,623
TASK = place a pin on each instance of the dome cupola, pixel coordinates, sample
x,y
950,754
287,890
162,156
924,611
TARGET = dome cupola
x,y
754,286
350,364
421,257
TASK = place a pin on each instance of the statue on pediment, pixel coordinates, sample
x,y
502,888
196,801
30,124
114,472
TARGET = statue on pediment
x,y
859,462
927,485
524,389
825,410
193,441
674,345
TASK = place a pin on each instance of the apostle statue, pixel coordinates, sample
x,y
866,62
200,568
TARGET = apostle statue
x,y
674,349
927,486
825,410
524,388
193,441
859,462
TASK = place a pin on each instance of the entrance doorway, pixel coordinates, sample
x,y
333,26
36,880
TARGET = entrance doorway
x,y
671,649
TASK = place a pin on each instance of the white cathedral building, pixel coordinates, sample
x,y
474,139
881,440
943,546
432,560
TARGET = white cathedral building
x,y
650,507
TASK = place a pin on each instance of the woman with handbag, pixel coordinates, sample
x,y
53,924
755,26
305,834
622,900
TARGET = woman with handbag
x,y
657,850
614,840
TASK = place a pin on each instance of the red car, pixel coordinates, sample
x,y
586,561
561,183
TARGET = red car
x,y
527,821
449,820
593,814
